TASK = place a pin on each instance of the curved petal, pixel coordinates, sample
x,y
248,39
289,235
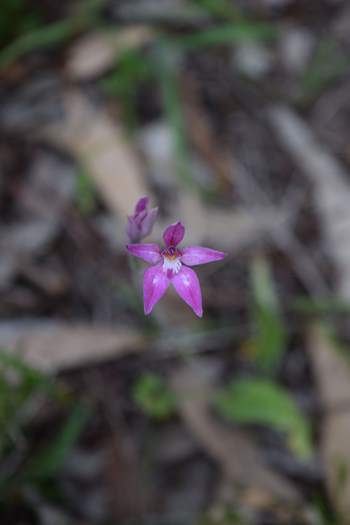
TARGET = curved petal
x,y
139,217
132,230
141,204
187,285
174,234
155,284
193,255
148,252
148,222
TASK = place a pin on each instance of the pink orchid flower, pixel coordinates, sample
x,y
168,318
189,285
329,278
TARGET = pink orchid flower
x,y
171,265
140,224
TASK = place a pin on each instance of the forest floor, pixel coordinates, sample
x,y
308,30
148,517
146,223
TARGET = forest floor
x,y
232,117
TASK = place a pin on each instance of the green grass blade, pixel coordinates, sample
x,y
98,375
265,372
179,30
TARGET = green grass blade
x,y
52,34
48,461
227,34
165,69
43,38
269,343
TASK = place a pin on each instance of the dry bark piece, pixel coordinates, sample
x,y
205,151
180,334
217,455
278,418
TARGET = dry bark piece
x,y
53,347
332,374
237,456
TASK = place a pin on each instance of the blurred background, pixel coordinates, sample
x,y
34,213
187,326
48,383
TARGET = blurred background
x,y
233,117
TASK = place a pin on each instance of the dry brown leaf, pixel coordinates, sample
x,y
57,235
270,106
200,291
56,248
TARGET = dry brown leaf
x,y
332,374
57,346
237,456
330,183
99,145
95,52
242,227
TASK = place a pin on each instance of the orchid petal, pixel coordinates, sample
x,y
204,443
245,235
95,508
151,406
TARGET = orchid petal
x,y
148,222
187,285
174,234
141,204
139,218
148,252
193,255
132,230
155,284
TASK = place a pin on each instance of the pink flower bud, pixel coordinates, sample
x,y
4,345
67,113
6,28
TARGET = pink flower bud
x,y
140,224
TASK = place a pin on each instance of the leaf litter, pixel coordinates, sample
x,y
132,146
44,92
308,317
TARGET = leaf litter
x,y
265,182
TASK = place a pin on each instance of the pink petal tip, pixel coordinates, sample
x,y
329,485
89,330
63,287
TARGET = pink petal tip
x,y
174,234
155,284
193,255
187,285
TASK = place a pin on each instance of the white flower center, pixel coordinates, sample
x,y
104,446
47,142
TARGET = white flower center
x,y
172,264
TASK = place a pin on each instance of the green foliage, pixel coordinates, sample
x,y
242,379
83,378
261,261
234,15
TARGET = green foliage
x,y
249,401
50,35
19,385
17,17
23,392
321,512
227,34
165,60
269,344
153,397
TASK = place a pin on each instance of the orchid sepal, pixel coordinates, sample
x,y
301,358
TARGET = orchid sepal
x,y
148,252
194,255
